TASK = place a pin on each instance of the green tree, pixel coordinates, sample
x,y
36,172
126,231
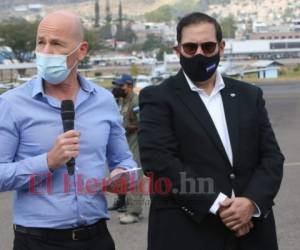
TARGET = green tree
x,y
97,14
132,48
203,5
94,39
181,8
162,14
108,17
228,27
165,48
92,36
129,35
152,42
20,36
120,33
105,31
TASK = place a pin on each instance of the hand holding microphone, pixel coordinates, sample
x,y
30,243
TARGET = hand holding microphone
x,y
66,147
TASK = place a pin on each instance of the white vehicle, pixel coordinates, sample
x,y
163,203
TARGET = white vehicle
x,y
141,82
114,60
148,61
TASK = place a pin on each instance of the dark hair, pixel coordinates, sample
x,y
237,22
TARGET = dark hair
x,y
196,18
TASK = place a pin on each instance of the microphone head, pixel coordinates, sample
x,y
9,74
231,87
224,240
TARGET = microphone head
x,y
67,110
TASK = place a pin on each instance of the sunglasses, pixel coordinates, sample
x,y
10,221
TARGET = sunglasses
x,y
191,48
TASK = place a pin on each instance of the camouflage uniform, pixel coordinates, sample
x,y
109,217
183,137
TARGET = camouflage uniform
x,y
130,113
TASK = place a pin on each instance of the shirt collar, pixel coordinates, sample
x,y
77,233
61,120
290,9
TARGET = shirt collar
x,y
219,84
86,85
37,86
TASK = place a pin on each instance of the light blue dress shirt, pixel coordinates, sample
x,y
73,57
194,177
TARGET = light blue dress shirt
x,y
30,122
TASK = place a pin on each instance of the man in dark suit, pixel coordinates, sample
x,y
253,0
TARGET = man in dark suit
x,y
209,148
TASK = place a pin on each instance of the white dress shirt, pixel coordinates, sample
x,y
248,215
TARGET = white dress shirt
x,y
215,108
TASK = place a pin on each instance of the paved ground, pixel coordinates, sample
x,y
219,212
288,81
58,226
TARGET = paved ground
x,y
283,102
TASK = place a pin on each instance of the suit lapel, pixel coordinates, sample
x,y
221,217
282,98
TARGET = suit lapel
x,y
230,98
192,100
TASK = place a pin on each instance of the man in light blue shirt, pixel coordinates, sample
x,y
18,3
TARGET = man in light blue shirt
x,y
53,210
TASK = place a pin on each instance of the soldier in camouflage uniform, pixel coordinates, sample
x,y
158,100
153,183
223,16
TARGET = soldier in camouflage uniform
x,y
129,108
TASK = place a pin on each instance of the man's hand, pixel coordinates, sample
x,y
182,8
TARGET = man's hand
x,y
117,185
225,205
66,147
116,171
244,229
237,213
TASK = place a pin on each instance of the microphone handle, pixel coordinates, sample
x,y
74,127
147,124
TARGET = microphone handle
x,y
71,166
69,125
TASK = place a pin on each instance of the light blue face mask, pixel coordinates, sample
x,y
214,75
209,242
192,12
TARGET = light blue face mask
x,y
53,68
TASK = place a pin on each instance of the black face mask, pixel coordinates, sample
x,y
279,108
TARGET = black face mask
x,y
200,68
118,92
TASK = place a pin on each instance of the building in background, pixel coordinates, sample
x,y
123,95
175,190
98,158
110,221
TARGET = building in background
x,y
263,49
262,31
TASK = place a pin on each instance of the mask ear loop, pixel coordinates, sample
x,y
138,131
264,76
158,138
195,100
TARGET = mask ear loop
x,y
72,52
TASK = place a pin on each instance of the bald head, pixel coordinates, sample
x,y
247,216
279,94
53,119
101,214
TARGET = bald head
x,y
61,33
63,23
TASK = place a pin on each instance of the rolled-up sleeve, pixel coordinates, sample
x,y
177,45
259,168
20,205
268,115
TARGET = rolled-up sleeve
x,y
15,175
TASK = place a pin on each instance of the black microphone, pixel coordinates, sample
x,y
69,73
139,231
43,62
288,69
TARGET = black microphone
x,y
67,116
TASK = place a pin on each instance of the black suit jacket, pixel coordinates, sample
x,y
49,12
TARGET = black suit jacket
x,y
179,142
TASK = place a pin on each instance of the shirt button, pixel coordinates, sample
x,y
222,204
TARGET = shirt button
x,y
232,176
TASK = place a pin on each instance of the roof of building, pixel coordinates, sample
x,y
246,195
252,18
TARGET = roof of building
x,y
258,46
265,64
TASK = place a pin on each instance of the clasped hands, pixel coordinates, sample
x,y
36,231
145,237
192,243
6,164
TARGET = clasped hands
x,y
236,214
